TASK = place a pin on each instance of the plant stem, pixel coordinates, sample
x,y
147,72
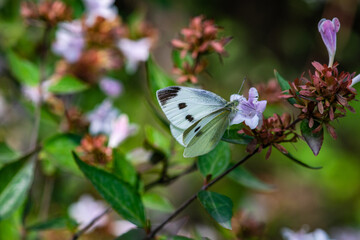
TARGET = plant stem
x,y
89,225
169,180
193,197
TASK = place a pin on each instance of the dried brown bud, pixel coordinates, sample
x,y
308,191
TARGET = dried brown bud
x,y
51,12
94,151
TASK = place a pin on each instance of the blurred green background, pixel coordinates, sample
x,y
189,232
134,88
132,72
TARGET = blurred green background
x,y
267,35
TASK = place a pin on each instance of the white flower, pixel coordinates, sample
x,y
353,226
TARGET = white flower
x,y
86,209
36,94
249,110
102,118
99,8
120,130
69,41
120,227
107,120
110,87
355,80
135,51
318,234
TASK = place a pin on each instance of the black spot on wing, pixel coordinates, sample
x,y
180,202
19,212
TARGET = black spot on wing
x,y
197,129
189,118
199,133
167,93
182,105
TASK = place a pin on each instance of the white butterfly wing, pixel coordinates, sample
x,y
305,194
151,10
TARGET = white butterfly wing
x,y
205,138
177,134
185,106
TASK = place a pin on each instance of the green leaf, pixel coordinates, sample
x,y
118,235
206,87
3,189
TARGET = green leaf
x,y
119,194
157,139
218,206
58,149
314,140
15,181
156,202
7,154
68,84
216,161
25,72
55,223
133,234
123,169
157,78
245,178
231,135
291,157
180,238
284,85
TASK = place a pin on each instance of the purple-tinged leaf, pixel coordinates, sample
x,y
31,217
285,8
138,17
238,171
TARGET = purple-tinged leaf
x,y
314,140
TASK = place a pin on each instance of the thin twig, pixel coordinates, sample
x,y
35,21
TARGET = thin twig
x,y
89,225
193,197
147,187
169,180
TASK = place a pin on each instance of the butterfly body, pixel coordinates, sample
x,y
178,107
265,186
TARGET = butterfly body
x,y
198,118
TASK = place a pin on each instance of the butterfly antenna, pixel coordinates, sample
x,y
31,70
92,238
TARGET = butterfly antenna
x,y
242,85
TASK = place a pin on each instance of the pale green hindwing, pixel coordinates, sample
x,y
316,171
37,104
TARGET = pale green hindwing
x,y
207,136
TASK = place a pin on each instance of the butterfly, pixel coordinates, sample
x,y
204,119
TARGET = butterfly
x,y
199,118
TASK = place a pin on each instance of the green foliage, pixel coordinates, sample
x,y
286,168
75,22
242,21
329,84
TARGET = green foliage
x,y
216,161
58,149
68,84
314,140
157,202
25,72
123,169
156,77
231,135
55,223
180,238
284,85
245,178
179,61
291,157
218,206
15,181
157,140
133,234
120,195
7,154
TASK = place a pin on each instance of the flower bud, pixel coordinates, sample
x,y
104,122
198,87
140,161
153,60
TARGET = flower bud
x,y
328,30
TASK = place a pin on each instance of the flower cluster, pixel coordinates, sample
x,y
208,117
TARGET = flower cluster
x,y
93,150
75,121
323,97
100,41
271,91
274,130
200,38
51,12
105,119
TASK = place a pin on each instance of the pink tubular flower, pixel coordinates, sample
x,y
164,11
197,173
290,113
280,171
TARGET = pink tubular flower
x,y
318,234
249,110
328,30
69,41
121,129
111,87
355,80
135,51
